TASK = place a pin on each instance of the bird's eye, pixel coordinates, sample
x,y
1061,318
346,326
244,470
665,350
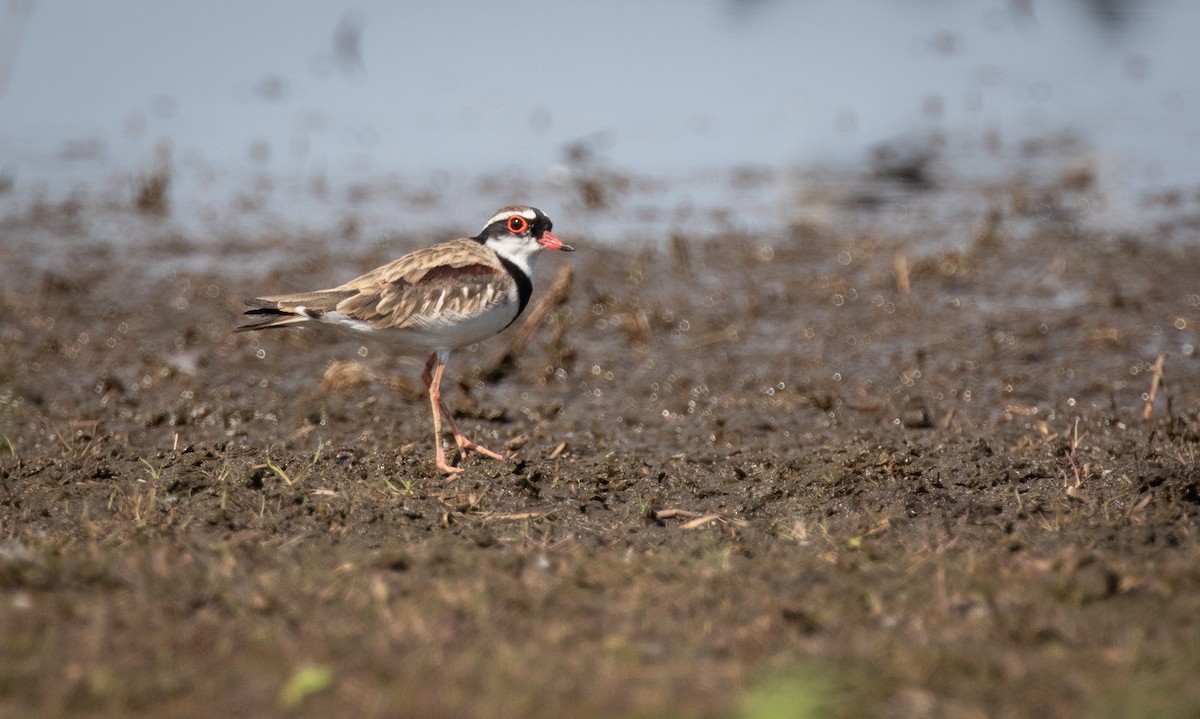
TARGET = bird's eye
x,y
517,224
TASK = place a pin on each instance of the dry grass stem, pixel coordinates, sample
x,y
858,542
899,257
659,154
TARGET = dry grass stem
x,y
346,374
699,521
514,516
900,265
1156,376
669,513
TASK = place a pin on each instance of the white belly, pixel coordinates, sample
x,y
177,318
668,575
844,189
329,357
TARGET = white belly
x,y
442,332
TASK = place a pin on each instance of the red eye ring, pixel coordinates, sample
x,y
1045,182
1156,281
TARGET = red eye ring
x,y
517,224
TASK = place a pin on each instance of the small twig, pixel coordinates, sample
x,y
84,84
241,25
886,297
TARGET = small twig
x,y
696,519
900,265
1071,456
1155,382
67,446
517,516
669,513
699,521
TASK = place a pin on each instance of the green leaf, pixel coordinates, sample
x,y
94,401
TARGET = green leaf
x,y
306,680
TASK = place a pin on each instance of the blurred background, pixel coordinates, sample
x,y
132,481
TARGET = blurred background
x,y
651,115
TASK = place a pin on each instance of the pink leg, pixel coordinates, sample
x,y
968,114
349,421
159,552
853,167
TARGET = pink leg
x,y
434,383
432,377
465,445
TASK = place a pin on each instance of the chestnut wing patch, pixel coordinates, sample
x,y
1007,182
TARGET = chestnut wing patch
x,y
450,273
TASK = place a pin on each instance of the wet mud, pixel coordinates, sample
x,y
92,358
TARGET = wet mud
x,y
840,470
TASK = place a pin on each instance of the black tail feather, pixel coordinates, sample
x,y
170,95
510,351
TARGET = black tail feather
x,y
268,316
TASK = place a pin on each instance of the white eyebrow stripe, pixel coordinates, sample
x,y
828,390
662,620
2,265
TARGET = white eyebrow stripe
x,y
527,214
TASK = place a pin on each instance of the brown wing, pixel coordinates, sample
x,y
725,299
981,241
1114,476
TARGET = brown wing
x,y
446,282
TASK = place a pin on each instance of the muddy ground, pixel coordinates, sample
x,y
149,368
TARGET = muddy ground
x,y
844,470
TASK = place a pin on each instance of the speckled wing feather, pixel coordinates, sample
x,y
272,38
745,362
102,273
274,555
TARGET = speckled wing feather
x,y
452,281
442,284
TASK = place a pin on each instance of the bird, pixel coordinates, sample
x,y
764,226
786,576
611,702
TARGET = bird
x,y
433,300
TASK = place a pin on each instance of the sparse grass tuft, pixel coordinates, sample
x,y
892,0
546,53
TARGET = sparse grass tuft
x,y
406,486
154,472
278,470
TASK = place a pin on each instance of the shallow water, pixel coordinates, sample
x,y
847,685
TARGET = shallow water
x,y
391,115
